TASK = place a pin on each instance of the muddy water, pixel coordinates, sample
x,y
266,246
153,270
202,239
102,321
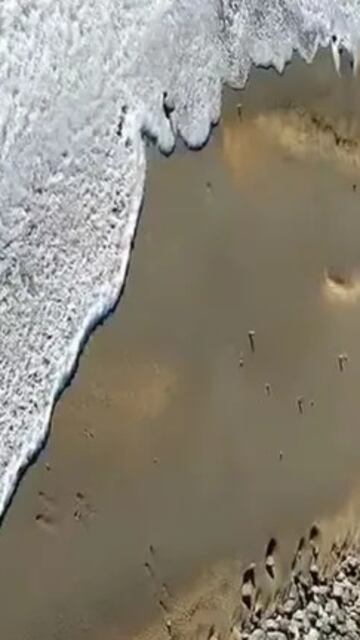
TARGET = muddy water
x,y
219,405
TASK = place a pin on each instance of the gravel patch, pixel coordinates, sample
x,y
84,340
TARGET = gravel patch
x,y
314,606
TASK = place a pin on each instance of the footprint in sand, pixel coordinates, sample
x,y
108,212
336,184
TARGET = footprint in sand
x,y
45,520
84,510
160,588
88,433
295,565
307,553
341,285
46,517
270,563
248,587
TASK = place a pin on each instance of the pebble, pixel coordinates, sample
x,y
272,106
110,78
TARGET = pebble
x,y
299,615
313,608
338,591
331,607
271,625
289,606
258,634
351,626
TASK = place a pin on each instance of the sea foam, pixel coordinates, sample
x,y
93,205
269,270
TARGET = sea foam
x,y
81,80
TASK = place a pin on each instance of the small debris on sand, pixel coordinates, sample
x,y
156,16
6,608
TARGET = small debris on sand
x,y
251,336
342,361
300,404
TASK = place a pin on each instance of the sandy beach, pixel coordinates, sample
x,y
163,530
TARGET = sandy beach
x,y
218,406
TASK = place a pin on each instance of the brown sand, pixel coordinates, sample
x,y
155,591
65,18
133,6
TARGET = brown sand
x,y
185,442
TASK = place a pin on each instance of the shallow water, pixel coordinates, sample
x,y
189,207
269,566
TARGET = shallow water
x,y
177,445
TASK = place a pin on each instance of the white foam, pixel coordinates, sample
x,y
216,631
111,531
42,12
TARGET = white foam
x,y
70,187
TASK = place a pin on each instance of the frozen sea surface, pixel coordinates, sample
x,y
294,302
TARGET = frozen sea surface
x,y
81,80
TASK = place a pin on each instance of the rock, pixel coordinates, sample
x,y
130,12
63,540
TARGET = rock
x,y
351,626
299,615
354,615
320,624
331,607
338,592
313,608
306,624
258,634
289,606
276,635
294,632
320,590
271,625
351,566
313,634
340,616
283,625
356,605
332,621
341,629
293,594
325,629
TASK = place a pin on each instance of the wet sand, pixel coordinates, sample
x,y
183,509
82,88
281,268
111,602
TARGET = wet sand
x,y
185,441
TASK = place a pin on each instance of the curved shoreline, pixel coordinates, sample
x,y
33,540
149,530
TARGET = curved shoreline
x,y
96,319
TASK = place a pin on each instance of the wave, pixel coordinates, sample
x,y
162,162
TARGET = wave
x,y
80,84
